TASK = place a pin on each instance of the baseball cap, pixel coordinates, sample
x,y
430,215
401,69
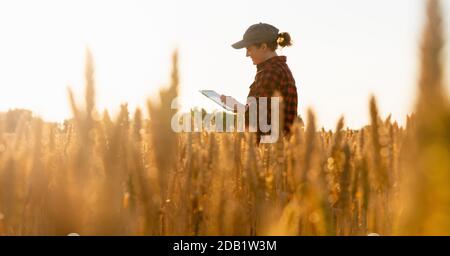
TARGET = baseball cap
x,y
257,33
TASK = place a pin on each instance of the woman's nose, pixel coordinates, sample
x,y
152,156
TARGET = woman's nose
x,y
246,54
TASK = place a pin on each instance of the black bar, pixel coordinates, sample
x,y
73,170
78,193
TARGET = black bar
x,y
224,245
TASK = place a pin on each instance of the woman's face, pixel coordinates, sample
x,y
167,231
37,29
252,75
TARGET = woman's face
x,y
257,54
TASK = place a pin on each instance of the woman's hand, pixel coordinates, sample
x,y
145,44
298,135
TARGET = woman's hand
x,y
230,102
223,98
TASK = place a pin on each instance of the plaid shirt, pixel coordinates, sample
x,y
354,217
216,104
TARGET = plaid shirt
x,y
274,75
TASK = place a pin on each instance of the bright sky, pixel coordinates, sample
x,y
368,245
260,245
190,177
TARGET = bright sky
x,y
343,51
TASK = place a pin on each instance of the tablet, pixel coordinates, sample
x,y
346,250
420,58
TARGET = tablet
x,y
214,96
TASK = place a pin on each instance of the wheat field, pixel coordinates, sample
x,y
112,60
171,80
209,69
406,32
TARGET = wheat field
x,y
132,175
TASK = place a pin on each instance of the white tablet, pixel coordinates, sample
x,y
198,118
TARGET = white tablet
x,y
214,96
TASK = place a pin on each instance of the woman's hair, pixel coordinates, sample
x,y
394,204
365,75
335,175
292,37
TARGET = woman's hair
x,y
283,40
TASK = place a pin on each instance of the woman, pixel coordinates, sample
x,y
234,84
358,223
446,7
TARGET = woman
x,y
273,74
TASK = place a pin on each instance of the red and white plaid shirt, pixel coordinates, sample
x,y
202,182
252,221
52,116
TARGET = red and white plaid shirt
x,y
274,75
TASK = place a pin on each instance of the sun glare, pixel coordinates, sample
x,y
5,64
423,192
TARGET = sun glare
x,y
43,46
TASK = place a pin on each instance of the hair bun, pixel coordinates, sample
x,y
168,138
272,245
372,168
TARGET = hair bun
x,y
284,39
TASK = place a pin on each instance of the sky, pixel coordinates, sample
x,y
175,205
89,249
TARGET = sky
x,y
343,52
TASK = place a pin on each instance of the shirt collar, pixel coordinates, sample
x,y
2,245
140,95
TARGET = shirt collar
x,y
270,61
